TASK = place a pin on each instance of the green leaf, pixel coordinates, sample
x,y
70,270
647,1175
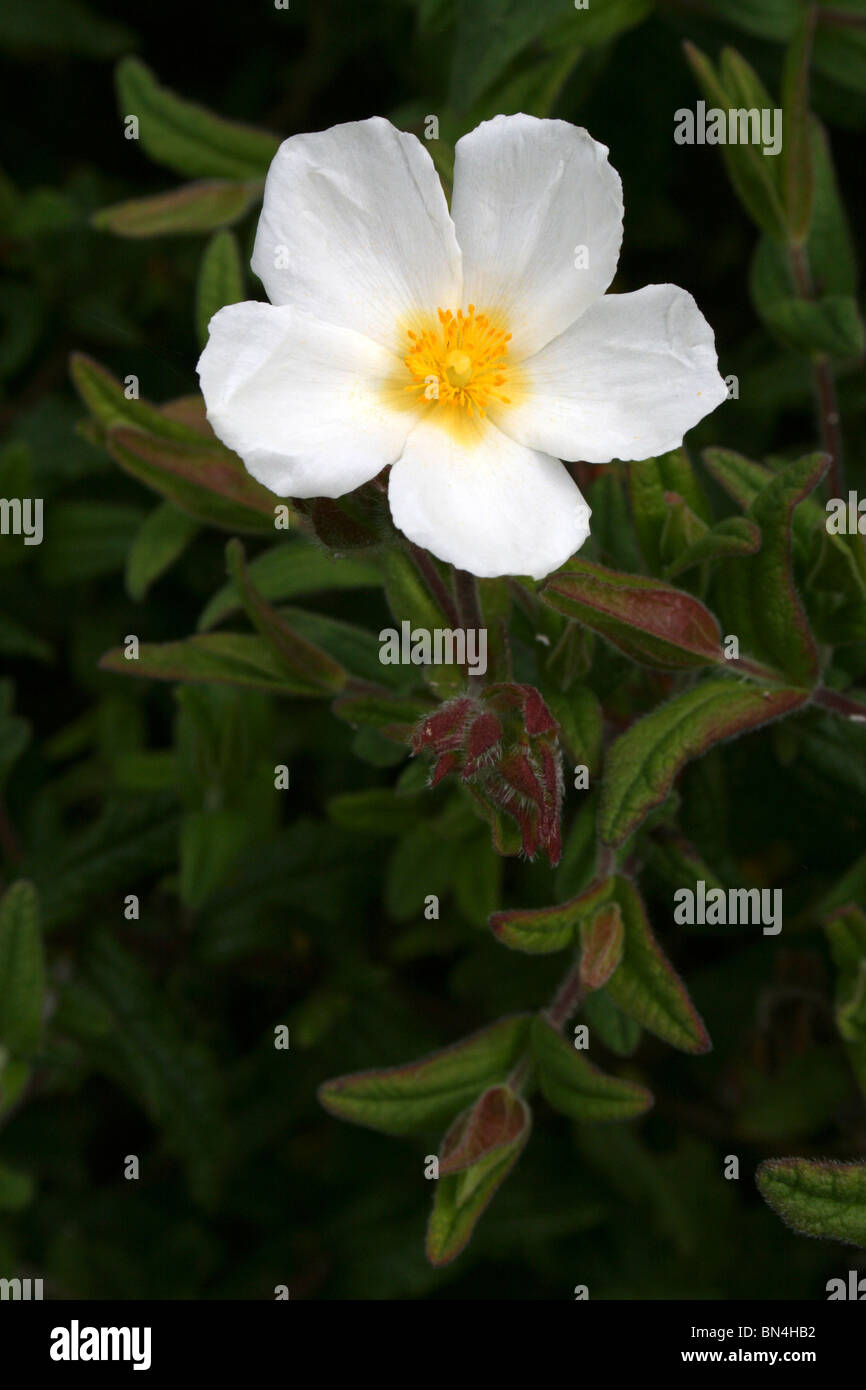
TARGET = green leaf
x,y
301,660
542,930
619,1033
220,280
145,1046
353,647
579,715
756,595
496,1120
226,658
577,1088
375,811
648,482
293,567
419,865
87,539
646,986
411,601
394,715
797,176
643,762
817,1197
195,208
461,1199
105,398
649,620
161,539
210,843
601,946
753,174
22,970
16,1189
428,1093
735,536
846,931
15,640
831,325
15,732
203,479
184,136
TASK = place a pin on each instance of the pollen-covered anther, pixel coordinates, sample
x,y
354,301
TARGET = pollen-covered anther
x,y
459,360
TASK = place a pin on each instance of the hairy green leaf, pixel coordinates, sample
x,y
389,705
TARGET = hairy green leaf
x,y
817,1197
577,1088
643,762
428,1093
649,620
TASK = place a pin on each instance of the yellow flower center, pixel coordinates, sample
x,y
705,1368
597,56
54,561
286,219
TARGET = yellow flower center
x,y
462,362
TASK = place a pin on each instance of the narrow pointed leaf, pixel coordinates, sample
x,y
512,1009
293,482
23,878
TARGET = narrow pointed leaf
x,y
286,570
195,208
461,1199
643,762
817,1197
395,715
220,280
201,478
542,930
105,398
735,536
646,986
648,619
301,660
577,1088
428,1093
798,180
225,658
184,136
757,595
161,538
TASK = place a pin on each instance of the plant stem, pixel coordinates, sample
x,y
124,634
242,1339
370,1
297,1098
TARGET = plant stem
x,y
840,704
469,608
468,602
567,998
435,583
822,372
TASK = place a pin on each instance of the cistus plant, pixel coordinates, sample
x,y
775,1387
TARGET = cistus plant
x,y
446,407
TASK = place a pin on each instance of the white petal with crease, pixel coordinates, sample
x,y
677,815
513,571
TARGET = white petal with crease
x,y
303,403
626,381
527,194
485,504
355,230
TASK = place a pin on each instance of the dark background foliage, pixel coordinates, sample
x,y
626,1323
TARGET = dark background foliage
x,y
277,909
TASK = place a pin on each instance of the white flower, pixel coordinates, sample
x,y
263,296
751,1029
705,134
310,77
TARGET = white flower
x,y
470,351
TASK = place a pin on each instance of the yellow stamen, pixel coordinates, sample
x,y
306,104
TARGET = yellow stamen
x,y
461,360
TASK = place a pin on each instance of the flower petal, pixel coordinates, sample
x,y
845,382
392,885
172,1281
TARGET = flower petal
x,y
481,502
355,230
626,381
528,194
305,404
